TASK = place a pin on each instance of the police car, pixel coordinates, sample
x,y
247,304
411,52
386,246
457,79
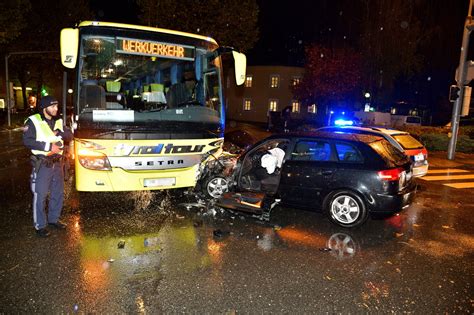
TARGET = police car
x,y
402,140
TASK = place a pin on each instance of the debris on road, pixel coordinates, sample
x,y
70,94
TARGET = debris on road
x,y
150,241
200,205
197,223
121,244
220,234
447,227
211,212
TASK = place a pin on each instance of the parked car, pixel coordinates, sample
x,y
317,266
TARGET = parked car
x,y
404,120
402,140
348,176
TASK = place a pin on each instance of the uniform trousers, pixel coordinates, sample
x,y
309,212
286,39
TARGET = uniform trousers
x,y
47,179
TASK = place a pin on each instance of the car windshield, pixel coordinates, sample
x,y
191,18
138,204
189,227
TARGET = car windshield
x,y
407,141
391,155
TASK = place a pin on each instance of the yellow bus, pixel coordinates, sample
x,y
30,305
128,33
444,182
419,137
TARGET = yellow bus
x,y
148,105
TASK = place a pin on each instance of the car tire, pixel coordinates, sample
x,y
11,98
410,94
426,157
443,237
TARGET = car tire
x,y
215,186
346,208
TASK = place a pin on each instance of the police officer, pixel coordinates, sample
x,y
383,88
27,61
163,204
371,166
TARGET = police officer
x,y
44,135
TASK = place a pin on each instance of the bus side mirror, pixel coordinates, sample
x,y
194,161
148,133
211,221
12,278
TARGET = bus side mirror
x,y
240,66
69,47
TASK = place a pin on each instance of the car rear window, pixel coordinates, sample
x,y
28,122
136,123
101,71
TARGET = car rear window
x,y
407,142
348,153
391,155
311,150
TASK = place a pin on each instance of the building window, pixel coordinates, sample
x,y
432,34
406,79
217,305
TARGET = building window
x,y
273,105
247,104
295,106
274,81
312,109
296,81
248,81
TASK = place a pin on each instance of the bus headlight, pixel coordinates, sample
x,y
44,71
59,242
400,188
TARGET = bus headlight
x,y
93,160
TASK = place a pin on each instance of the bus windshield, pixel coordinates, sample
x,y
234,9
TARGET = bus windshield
x,y
134,81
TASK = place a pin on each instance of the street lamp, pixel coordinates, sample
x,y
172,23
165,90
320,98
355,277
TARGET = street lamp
x,y
329,119
367,102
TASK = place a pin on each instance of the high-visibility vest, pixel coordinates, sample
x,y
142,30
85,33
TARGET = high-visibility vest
x,y
45,134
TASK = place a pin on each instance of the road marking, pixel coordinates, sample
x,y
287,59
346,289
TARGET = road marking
x,y
450,174
461,185
447,177
447,170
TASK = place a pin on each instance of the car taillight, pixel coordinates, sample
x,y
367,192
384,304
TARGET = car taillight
x,y
391,174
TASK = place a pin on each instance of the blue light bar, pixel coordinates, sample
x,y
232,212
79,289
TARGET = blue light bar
x,y
343,122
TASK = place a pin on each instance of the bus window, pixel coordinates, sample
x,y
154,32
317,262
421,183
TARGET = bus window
x,y
125,73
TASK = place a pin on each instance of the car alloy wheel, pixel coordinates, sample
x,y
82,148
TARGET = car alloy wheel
x,y
217,186
346,209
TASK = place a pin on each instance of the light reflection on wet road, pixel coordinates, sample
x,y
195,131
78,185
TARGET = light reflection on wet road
x,y
117,257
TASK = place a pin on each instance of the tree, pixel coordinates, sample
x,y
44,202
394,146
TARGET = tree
x,y
230,22
391,35
331,74
41,33
13,19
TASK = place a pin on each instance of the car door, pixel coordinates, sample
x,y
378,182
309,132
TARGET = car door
x,y
307,172
258,174
258,178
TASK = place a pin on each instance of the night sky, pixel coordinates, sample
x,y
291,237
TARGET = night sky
x,y
287,26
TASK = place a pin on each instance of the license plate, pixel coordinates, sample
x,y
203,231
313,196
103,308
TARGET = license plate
x,y
157,182
419,157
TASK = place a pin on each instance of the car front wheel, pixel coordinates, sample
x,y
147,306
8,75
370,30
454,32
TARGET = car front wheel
x,y
216,186
346,208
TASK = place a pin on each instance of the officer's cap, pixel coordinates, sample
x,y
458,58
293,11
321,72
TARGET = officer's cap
x,y
48,101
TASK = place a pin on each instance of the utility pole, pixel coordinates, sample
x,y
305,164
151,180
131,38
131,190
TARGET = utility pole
x,y
7,81
7,91
460,81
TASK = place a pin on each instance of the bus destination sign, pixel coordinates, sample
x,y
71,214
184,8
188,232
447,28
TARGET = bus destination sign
x,y
154,49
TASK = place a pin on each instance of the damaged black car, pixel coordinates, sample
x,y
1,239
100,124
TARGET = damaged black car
x,y
347,176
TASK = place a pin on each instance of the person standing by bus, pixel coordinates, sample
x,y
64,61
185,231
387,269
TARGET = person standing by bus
x,y
44,135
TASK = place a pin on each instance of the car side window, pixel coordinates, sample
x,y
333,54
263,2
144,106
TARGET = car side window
x,y
348,153
311,150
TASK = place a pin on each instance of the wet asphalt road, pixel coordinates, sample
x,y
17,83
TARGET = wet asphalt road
x,y
147,252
